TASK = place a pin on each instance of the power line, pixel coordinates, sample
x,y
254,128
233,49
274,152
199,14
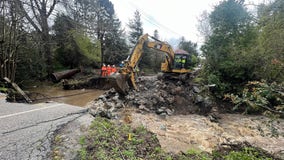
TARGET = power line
x,y
152,20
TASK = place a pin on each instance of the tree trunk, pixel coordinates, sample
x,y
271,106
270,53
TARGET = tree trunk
x,y
46,41
9,39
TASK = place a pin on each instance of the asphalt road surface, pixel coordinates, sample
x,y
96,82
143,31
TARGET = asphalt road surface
x,y
26,130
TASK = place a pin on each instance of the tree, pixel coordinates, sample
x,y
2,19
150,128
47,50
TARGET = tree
x,y
74,48
99,21
66,52
135,26
188,46
204,25
226,49
10,36
271,42
156,34
156,57
115,43
191,48
37,13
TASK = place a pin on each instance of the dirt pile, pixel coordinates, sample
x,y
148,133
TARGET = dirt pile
x,y
164,97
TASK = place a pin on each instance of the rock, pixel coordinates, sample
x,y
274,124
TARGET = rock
x,y
143,107
163,127
102,97
176,90
205,106
110,105
169,111
115,98
98,104
199,99
196,89
119,105
170,100
160,110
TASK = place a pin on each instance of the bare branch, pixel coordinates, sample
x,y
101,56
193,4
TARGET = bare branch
x,y
52,7
34,11
27,16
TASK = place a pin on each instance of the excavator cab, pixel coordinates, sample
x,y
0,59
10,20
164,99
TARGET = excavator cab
x,y
181,61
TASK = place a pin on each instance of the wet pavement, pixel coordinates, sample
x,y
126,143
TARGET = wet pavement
x,y
27,129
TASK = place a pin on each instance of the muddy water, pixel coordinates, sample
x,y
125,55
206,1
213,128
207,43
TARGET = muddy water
x,y
184,132
79,97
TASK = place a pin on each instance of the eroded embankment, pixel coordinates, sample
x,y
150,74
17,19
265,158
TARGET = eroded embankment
x,y
184,116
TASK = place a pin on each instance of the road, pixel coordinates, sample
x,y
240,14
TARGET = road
x,y
26,130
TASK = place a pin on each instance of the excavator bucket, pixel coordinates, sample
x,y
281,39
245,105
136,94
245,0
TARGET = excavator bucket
x,y
119,82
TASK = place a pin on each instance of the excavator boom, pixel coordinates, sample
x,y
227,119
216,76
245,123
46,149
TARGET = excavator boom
x,y
125,79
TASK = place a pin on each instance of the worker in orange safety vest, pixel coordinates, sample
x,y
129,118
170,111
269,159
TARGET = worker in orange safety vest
x,y
109,69
104,71
113,69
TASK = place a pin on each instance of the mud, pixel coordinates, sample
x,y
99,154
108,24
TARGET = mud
x,y
183,132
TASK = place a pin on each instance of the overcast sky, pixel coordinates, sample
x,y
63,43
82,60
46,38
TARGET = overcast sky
x,y
172,18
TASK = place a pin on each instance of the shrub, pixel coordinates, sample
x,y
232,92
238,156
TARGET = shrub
x,y
259,97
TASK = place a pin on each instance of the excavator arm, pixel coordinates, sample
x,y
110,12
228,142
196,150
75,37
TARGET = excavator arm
x,y
166,48
127,73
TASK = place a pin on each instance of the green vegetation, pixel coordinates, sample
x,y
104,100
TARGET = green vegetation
x,y
246,153
3,88
107,140
239,50
80,37
112,140
259,97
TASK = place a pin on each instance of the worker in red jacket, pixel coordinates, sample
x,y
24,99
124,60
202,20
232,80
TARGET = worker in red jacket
x,y
109,69
113,69
104,71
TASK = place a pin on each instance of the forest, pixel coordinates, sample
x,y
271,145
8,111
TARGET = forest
x,y
243,51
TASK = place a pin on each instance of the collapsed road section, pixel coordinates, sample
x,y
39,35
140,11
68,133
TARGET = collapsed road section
x,y
26,130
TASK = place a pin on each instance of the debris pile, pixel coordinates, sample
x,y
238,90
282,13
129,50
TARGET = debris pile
x,y
164,97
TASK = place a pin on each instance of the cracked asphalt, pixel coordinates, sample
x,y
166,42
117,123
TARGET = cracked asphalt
x,y
26,130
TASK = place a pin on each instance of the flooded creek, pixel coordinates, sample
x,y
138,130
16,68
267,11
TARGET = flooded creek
x,y
183,132
79,97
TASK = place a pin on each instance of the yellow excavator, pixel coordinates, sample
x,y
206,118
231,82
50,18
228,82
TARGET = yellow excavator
x,y
175,65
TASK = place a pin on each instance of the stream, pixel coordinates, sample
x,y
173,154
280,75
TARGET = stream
x,y
183,132
80,97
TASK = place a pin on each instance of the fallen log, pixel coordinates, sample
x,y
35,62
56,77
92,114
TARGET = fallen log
x,y
57,76
95,82
18,89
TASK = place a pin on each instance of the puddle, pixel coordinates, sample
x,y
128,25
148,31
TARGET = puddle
x,y
79,97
